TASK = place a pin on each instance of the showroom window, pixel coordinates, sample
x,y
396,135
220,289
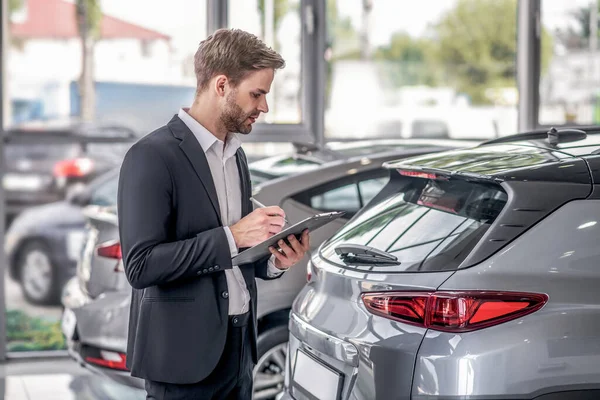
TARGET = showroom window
x,y
278,24
133,74
570,63
434,68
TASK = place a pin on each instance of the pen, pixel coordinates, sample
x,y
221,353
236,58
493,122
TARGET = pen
x,y
261,205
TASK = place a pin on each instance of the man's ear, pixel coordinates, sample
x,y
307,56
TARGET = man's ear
x,y
220,85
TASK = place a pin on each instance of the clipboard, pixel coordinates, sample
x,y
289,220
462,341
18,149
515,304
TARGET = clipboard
x,y
262,249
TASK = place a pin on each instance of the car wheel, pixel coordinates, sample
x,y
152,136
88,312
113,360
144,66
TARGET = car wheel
x,y
37,274
270,368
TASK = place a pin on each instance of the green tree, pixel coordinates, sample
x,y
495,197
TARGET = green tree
x,y
342,43
89,17
477,46
14,5
407,61
582,17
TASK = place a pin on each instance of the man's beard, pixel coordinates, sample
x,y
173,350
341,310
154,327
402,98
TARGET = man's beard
x,y
234,118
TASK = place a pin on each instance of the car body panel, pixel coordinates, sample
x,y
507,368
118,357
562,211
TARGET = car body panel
x,y
331,306
558,346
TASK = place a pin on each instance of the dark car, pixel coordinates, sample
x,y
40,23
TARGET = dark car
x,y
44,162
307,156
43,243
95,319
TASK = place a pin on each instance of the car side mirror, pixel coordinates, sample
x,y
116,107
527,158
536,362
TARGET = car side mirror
x,y
79,195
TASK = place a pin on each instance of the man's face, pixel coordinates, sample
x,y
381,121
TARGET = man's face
x,y
244,103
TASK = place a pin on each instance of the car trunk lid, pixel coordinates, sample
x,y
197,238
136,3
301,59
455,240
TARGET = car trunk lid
x,y
100,265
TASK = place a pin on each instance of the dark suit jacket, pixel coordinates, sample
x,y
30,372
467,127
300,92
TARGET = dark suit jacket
x,y
175,252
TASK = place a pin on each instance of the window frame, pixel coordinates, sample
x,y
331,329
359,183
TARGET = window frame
x,y
529,62
305,196
312,48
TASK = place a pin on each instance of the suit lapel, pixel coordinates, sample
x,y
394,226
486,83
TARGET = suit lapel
x,y
246,190
197,158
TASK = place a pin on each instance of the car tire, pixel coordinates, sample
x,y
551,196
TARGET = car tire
x,y
36,268
269,371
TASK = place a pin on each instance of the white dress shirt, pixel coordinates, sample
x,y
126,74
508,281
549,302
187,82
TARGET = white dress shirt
x,y
221,159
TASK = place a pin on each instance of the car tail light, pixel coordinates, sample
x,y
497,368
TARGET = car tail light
x,y
453,311
110,249
421,174
73,168
109,359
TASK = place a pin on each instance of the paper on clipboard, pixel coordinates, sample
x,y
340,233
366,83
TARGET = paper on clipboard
x,y
262,249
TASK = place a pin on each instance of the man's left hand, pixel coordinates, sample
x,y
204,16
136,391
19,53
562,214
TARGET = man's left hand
x,y
291,254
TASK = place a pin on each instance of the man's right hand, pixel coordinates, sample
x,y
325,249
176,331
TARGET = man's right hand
x,y
258,226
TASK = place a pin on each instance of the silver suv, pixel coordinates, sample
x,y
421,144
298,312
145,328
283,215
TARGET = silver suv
x,y
474,274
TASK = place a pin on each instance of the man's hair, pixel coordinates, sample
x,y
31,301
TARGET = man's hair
x,y
235,54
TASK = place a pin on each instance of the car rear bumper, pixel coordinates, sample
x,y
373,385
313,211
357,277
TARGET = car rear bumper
x,y
121,377
73,298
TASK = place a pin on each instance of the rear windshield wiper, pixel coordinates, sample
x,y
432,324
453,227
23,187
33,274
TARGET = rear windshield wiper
x,y
356,253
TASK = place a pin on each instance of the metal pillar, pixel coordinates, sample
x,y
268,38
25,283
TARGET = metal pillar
x,y
314,24
3,109
216,15
528,62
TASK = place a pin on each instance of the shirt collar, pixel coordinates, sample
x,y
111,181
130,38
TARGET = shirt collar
x,y
207,139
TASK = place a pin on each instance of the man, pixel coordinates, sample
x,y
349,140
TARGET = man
x,y
184,212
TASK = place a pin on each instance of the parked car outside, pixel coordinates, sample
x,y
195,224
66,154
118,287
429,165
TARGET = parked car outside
x,y
472,274
96,325
44,162
43,243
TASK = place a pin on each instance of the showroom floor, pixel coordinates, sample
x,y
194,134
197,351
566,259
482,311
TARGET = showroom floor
x,y
58,379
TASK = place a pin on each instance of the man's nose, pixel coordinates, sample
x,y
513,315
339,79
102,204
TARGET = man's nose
x,y
263,106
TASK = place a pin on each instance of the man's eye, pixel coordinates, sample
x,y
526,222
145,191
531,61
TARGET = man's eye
x,y
256,95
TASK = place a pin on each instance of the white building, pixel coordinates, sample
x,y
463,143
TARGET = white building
x,y
45,56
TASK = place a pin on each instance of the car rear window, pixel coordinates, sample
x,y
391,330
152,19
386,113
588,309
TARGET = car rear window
x,y
429,225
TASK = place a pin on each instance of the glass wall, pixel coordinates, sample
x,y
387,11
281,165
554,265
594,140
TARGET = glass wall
x,y
570,64
277,22
428,69
83,83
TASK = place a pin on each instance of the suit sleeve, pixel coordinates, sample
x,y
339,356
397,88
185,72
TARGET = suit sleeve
x,y
265,269
145,206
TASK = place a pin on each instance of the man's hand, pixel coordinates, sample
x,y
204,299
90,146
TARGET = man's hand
x,y
290,255
258,226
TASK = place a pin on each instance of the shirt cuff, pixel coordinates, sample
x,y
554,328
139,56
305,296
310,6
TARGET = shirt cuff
x,y
272,270
232,246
